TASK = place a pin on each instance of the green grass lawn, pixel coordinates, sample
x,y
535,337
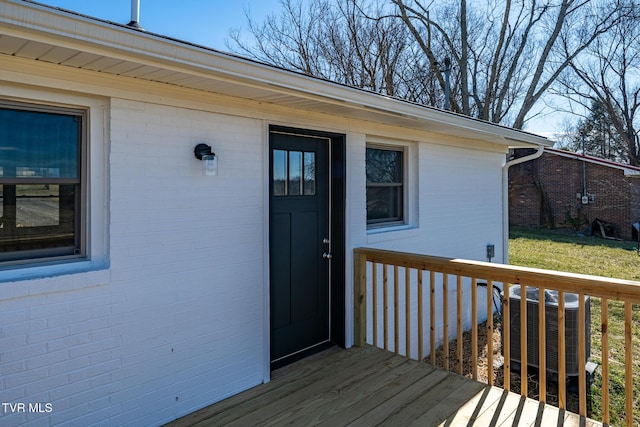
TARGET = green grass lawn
x,y
563,251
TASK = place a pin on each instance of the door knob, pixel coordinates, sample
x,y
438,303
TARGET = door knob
x,y
327,255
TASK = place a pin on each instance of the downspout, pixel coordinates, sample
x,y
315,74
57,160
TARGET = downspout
x,y
505,199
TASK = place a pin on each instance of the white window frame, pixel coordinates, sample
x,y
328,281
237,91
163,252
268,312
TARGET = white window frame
x,y
405,205
79,230
95,204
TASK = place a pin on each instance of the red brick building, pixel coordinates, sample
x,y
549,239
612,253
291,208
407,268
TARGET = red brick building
x,y
561,189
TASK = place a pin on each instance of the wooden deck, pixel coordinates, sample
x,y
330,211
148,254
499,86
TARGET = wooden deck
x,y
368,386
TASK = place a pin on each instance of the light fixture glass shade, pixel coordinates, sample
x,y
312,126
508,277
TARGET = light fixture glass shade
x,y
210,165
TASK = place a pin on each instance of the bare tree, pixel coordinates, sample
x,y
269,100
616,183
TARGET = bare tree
x,y
608,85
338,41
288,41
507,52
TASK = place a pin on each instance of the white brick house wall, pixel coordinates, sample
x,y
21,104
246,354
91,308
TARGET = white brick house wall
x,y
178,318
188,252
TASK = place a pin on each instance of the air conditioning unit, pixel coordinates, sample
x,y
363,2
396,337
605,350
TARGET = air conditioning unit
x,y
572,357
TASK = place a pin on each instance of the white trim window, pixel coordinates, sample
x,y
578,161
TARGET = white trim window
x,y
385,170
42,182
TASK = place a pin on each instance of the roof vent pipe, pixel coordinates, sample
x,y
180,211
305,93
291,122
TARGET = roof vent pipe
x,y
135,15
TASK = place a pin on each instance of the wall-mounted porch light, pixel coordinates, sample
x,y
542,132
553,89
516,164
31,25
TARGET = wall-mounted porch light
x,y
209,160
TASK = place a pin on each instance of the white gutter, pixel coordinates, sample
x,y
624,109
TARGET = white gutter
x,y
505,199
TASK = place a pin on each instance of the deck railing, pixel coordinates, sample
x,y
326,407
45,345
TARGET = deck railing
x,y
412,290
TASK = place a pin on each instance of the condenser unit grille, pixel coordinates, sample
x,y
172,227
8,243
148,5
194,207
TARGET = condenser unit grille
x,y
573,359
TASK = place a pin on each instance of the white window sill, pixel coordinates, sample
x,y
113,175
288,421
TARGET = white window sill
x,y
392,232
42,279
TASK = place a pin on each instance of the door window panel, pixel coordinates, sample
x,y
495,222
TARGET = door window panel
x,y
279,173
309,174
294,173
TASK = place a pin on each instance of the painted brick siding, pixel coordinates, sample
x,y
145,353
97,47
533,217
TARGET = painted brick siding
x,y
60,349
176,322
461,189
194,247
560,179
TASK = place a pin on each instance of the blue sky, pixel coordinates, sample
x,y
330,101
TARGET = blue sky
x,y
204,22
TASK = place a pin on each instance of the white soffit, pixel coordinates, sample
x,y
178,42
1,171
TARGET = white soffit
x,y
47,34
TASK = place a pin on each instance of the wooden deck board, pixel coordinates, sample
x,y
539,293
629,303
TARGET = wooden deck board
x,y
369,386
400,399
499,411
526,413
314,392
440,402
352,394
475,407
291,395
299,369
375,397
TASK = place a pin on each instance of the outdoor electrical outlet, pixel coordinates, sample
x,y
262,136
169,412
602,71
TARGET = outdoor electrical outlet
x,y
491,251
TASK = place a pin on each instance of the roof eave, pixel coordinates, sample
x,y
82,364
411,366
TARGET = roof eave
x,y
45,24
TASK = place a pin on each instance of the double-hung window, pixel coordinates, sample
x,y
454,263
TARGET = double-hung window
x,y
385,185
42,182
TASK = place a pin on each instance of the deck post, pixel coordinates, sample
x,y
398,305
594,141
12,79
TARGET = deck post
x,y
360,299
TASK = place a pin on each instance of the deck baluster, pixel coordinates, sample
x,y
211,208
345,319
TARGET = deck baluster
x,y
459,322
542,340
628,363
385,303
474,328
562,371
445,320
490,375
506,337
523,341
604,318
420,317
582,373
432,316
